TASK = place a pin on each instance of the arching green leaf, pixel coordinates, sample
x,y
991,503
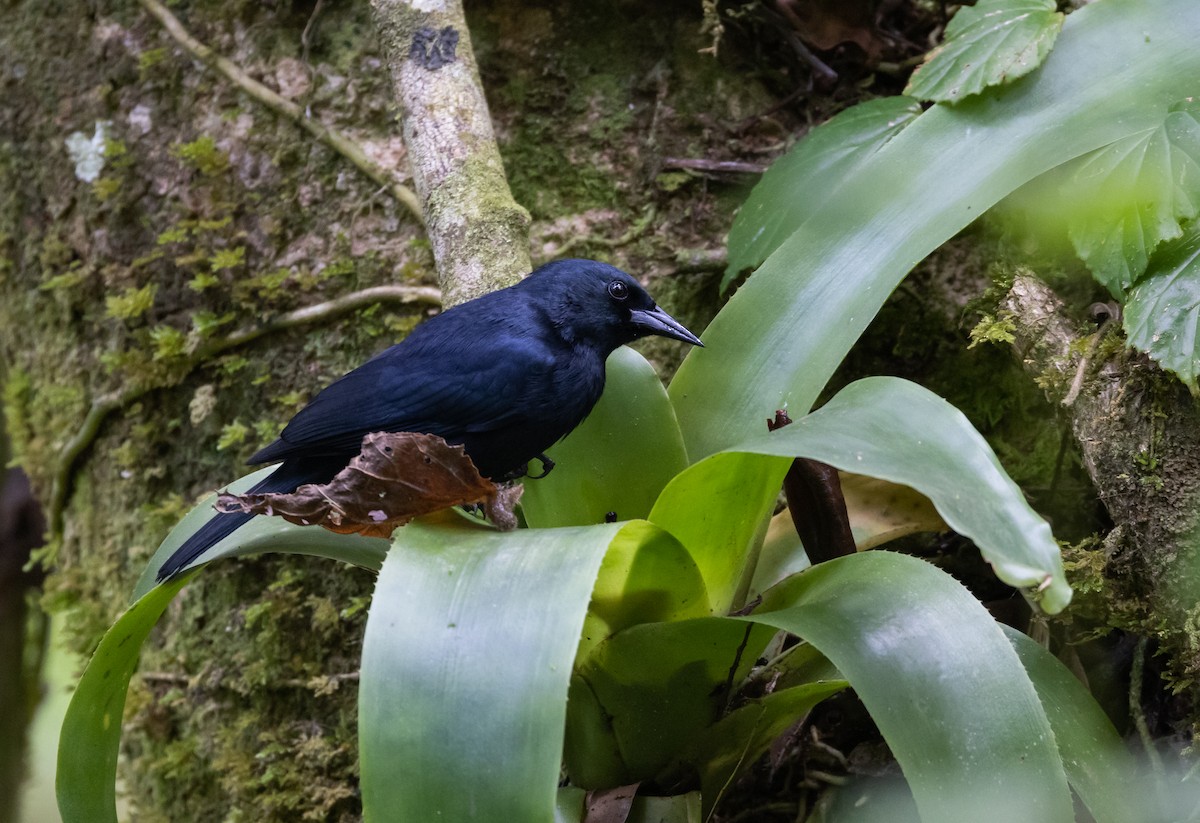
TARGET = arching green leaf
x,y
798,183
718,509
86,783
940,680
465,667
1098,765
891,428
784,332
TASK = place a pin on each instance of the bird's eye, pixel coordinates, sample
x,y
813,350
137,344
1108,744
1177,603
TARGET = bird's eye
x,y
618,290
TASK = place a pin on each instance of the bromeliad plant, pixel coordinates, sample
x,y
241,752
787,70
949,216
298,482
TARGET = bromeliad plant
x,y
491,658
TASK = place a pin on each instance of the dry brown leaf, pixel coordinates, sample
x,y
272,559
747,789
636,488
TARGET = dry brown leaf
x,y
395,478
828,23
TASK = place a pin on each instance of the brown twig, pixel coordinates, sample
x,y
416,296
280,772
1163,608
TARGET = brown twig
x,y
337,141
308,27
713,166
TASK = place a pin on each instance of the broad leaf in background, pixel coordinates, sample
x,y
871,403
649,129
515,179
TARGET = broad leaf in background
x,y
890,428
992,42
1128,197
831,151
1098,765
1162,314
86,783
940,680
262,535
465,667
619,459
1115,68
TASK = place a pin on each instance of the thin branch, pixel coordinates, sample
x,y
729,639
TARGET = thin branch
x,y
337,141
430,295
308,27
713,166
106,404
635,231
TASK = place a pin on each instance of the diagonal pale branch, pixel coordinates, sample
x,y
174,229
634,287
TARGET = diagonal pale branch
x,y
333,138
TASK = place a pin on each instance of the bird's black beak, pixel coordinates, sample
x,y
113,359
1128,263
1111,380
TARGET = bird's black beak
x,y
657,321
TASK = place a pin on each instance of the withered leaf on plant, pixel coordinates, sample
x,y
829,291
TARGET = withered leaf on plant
x,y
395,478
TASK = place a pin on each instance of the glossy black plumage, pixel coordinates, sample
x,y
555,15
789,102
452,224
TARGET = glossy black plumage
x,y
506,375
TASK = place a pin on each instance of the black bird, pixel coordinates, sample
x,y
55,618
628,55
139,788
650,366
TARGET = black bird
x,y
506,375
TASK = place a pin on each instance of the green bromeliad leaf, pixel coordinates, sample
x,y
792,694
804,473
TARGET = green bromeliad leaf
x,y
798,184
91,733
1097,764
644,695
992,42
1116,67
941,681
893,429
1162,314
465,666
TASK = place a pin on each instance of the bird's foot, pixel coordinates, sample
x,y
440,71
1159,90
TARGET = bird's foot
x,y
547,466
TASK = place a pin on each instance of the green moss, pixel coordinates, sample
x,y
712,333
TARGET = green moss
x,y
203,281
232,435
993,329
148,59
106,188
202,155
265,286
131,303
18,390
169,342
205,323
174,234
228,258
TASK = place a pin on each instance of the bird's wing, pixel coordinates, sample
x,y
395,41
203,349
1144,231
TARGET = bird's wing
x,y
444,391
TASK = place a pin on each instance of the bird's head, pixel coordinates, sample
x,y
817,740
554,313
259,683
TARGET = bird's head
x,y
601,304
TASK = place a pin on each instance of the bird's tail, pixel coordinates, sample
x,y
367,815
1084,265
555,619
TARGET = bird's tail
x,y
286,478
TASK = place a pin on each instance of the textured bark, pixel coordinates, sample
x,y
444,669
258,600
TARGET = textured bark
x,y
479,234
1138,431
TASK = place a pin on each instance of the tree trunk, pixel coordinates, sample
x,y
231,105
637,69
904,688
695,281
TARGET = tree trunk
x,y
155,218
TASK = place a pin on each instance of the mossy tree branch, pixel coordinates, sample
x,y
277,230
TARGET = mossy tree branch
x,y
479,234
1138,433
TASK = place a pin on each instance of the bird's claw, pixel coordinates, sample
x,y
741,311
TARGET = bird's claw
x,y
547,465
